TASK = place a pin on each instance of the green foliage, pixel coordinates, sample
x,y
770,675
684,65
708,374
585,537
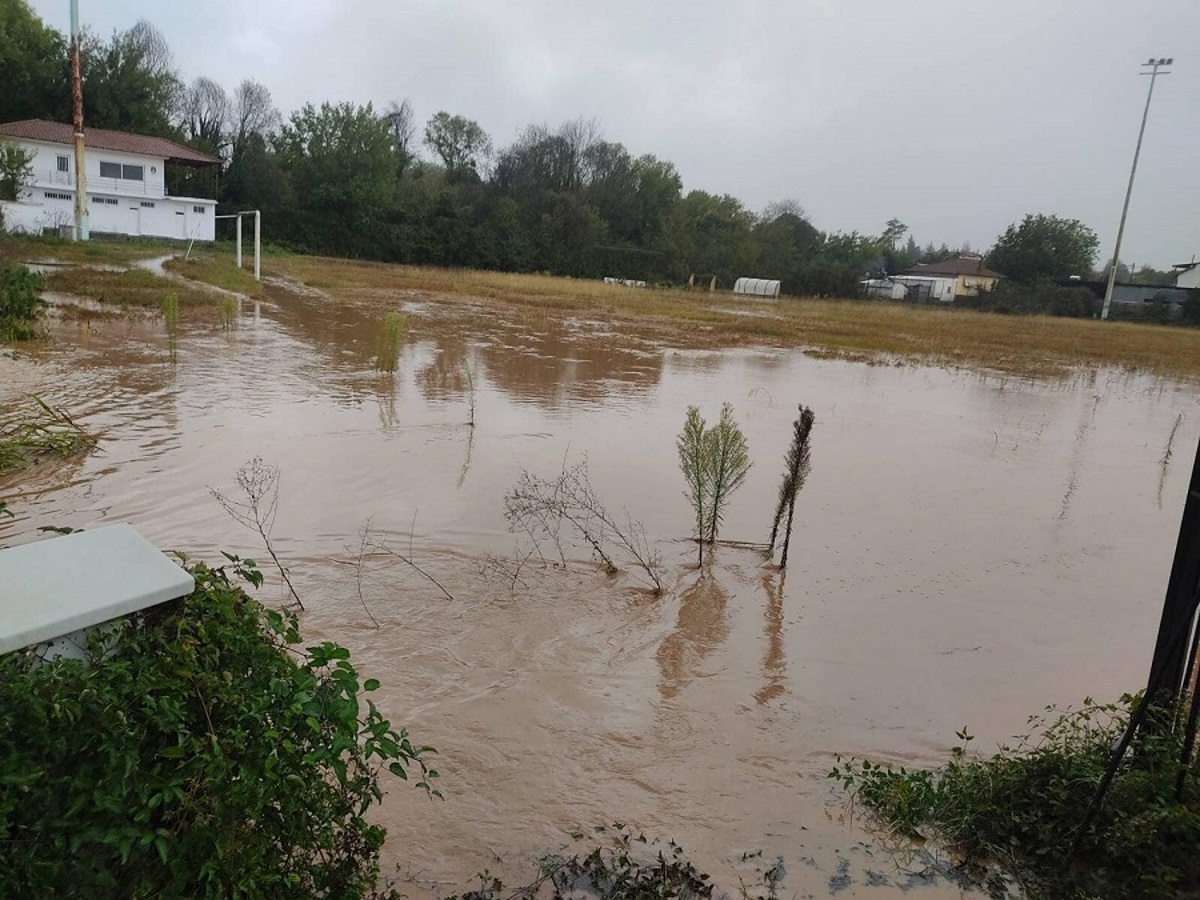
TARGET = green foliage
x,y
623,867
129,83
714,462
16,169
33,61
20,303
728,462
1022,807
797,463
203,754
1044,247
340,164
459,143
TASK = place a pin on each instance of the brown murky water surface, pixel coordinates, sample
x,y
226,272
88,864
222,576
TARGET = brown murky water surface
x,y
969,548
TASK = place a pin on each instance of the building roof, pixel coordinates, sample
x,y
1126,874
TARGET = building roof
x,y
1184,267
951,268
103,139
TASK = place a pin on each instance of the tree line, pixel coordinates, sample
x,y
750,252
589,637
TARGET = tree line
x,y
352,180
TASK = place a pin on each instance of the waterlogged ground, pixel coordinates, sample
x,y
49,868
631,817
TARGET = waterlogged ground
x,y
969,548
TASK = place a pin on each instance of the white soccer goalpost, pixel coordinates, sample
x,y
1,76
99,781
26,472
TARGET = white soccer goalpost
x,y
257,238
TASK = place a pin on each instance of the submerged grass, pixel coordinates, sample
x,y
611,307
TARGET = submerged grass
x,y
870,330
863,330
37,431
217,268
129,288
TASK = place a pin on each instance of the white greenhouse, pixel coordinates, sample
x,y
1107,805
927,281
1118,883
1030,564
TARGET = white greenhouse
x,y
757,287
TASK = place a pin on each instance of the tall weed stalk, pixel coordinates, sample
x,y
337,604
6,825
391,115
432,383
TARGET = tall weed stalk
x,y
796,465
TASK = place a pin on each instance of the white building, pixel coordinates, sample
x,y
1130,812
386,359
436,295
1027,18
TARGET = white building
x,y
126,183
1187,275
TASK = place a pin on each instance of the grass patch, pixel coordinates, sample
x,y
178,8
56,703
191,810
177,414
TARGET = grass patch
x,y
23,248
845,328
131,287
216,267
37,431
1020,810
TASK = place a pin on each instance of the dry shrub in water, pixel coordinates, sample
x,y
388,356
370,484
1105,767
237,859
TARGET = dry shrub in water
x,y
541,508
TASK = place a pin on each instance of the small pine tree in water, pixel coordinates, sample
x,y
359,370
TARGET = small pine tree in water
x,y
714,462
796,466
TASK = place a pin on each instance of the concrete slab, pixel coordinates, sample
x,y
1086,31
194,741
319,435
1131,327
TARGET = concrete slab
x,y
53,588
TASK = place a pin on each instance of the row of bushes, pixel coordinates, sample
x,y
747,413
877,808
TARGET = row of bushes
x,y
1049,299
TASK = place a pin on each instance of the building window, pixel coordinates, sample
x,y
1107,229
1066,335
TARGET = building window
x,y
64,164
106,201
110,170
56,195
148,204
199,209
133,173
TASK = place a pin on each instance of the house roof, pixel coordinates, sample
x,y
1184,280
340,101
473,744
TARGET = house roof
x,y
103,139
1184,267
962,265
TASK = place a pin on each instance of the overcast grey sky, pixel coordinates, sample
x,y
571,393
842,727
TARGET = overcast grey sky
x,y
955,116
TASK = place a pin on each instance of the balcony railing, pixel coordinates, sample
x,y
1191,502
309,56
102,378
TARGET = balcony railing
x,y
97,185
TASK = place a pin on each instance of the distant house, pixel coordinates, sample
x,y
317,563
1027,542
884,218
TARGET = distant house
x,y
126,183
962,276
1187,275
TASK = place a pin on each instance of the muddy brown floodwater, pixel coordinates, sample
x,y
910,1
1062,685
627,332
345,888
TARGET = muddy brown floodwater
x,y
969,548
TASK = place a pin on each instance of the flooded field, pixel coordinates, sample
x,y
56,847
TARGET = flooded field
x,y
969,548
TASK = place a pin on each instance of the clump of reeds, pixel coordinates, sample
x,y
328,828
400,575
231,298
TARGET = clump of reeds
x,y
170,309
33,433
796,465
227,309
389,342
714,462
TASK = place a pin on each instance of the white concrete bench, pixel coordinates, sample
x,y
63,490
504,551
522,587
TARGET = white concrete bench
x,y
53,592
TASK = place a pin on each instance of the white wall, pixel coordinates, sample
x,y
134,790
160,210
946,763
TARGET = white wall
x,y
124,206
45,170
1189,279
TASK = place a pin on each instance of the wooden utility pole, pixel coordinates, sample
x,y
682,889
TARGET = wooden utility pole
x,y
82,232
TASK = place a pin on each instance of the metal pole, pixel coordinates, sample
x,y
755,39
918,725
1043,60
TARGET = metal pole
x,y
257,245
1116,257
238,252
82,232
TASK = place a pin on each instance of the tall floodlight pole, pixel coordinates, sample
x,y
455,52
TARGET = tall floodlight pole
x,y
81,211
1155,65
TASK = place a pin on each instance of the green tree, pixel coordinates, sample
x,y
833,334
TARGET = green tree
x,y
1044,247
130,83
342,168
16,169
459,143
33,66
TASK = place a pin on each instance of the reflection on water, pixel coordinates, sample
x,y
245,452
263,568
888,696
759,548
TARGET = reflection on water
x,y
774,661
701,628
975,546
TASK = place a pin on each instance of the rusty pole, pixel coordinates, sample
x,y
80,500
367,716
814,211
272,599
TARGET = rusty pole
x,y
82,232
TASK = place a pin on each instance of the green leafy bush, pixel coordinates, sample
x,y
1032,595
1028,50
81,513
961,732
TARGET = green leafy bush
x,y
20,303
1023,807
203,755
